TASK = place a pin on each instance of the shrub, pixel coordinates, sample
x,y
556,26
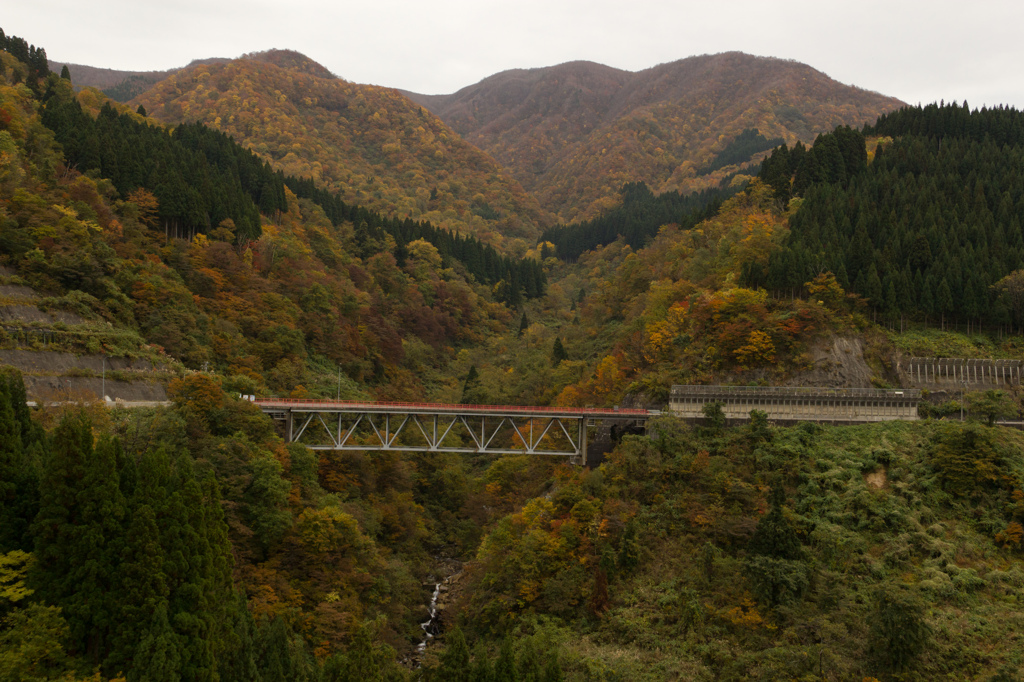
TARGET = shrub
x,y
898,633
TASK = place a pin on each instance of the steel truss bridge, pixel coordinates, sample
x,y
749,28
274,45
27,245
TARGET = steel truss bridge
x,y
426,427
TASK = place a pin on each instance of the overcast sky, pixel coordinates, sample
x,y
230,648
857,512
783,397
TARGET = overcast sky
x,y
917,51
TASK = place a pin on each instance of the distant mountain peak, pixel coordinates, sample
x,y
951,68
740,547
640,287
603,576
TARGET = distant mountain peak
x,y
573,133
375,147
291,60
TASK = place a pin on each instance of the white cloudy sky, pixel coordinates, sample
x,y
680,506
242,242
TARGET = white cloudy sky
x,y
916,50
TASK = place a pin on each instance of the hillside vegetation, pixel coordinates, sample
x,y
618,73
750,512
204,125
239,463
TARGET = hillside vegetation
x,y
574,134
920,227
370,144
268,289
889,551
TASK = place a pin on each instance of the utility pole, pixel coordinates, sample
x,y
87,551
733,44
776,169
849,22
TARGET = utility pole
x,y
103,383
339,383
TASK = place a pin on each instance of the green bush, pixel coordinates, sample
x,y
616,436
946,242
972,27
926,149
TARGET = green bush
x,y
776,581
898,633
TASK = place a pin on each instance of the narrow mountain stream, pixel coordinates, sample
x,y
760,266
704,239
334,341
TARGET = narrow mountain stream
x,y
430,626
434,624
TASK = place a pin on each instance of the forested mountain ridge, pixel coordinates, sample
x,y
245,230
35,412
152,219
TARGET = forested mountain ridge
x,y
190,543
931,229
118,84
573,134
880,551
370,144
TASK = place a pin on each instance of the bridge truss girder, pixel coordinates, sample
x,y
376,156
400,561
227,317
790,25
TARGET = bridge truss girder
x,y
553,435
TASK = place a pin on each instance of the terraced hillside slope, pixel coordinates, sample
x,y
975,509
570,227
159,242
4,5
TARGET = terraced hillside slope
x,y
573,134
64,351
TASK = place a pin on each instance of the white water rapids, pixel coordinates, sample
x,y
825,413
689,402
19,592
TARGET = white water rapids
x,y
430,625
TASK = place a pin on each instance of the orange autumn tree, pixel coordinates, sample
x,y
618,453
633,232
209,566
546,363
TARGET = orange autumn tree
x,y
147,204
603,388
199,391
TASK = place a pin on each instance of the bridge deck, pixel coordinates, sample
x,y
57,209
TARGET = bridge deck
x,y
298,405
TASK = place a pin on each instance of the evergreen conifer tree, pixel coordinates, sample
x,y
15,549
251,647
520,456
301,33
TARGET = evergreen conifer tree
x,y
558,354
78,535
472,392
775,568
899,633
275,662
20,448
629,548
455,666
238,662
157,656
482,670
775,536
505,666
529,668
944,298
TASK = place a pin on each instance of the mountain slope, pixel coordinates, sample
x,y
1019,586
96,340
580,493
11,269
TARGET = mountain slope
x,y
573,134
369,143
117,84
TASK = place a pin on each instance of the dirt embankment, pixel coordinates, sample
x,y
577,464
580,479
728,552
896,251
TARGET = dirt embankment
x,y
17,291
30,314
17,306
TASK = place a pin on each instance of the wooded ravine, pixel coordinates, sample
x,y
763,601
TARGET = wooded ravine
x,y
262,227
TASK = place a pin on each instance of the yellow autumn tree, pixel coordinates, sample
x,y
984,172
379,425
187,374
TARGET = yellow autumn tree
x,y
759,350
661,335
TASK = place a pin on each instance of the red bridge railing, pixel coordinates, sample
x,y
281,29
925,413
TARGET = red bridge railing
x,y
506,409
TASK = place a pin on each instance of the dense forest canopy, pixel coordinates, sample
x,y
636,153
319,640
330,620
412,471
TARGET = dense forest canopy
x,y
637,219
196,189
925,230
32,57
369,145
746,144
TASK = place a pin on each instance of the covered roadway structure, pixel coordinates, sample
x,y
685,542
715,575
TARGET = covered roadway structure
x,y
798,403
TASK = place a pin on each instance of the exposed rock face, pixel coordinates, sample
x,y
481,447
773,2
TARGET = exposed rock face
x,y
838,362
